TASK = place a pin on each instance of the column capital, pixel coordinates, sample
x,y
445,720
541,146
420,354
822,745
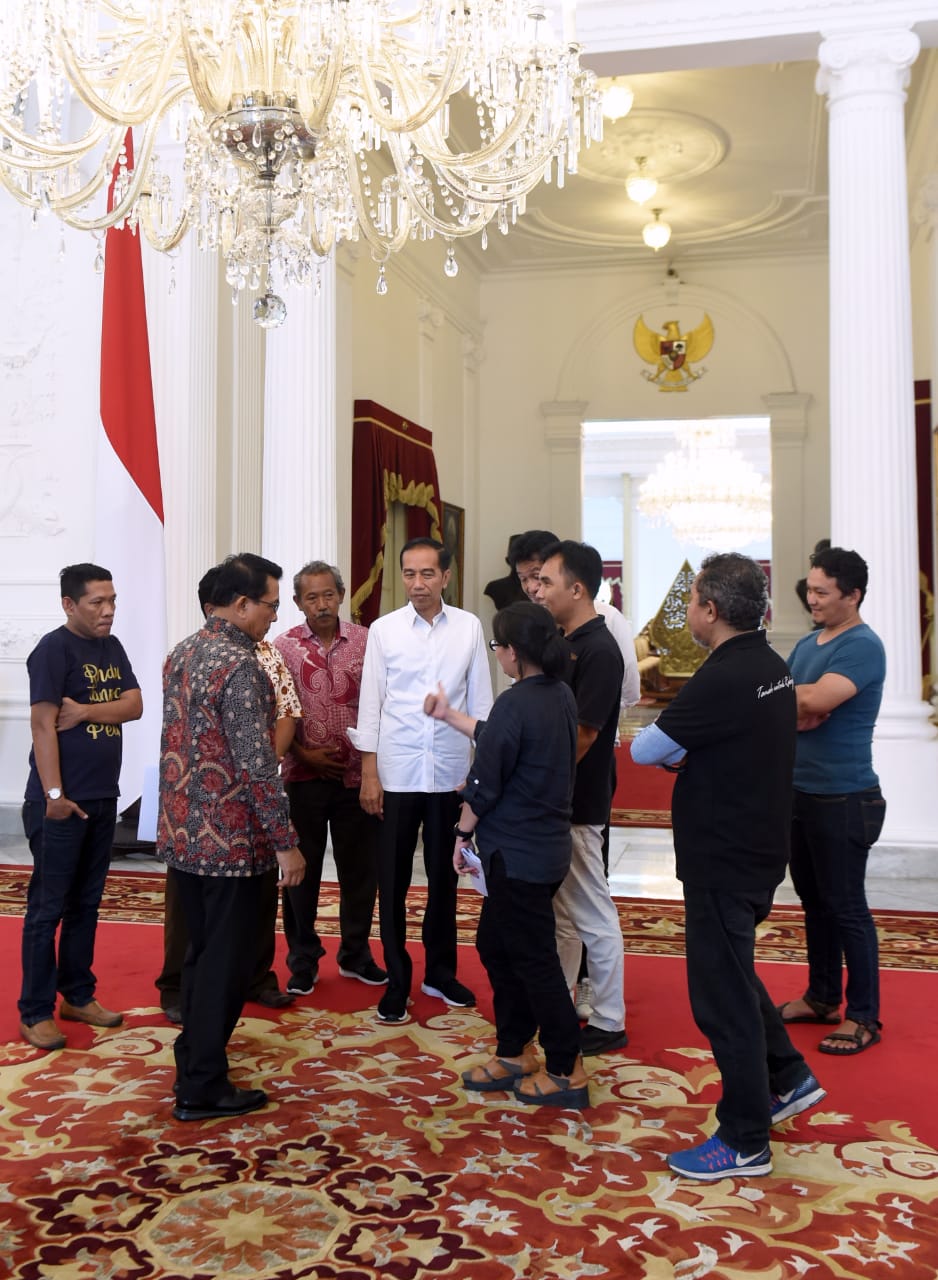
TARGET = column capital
x,y
788,411
862,62
429,317
563,419
473,352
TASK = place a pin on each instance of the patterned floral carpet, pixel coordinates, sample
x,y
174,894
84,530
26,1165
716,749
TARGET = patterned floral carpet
x,y
372,1161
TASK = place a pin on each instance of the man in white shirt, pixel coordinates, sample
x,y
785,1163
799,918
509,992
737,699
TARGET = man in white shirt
x,y
412,764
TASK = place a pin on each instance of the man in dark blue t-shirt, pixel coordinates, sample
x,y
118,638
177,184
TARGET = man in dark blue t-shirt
x,y
731,731
81,690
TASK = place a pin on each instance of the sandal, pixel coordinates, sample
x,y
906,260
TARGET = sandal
x,y
498,1074
827,1014
855,1039
548,1090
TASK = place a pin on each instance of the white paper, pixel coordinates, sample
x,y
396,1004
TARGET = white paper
x,y
477,879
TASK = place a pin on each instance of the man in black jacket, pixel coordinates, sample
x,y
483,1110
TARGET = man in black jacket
x,y
730,733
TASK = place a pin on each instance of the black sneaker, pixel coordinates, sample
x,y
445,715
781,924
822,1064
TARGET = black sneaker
x,y
594,1040
453,992
392,1008
369,973
302,983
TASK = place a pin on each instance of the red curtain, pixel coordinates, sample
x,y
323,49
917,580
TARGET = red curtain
x,y
392,461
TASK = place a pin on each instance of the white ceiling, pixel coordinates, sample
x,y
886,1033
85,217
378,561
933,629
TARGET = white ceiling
x,y
741,158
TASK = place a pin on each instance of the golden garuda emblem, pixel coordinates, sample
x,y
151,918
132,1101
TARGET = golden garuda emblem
x,y
673,352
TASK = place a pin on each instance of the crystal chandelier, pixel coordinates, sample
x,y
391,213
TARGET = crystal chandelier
x,y
656,233
303,123
707,492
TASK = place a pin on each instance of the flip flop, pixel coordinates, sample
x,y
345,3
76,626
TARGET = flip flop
x,y
828,1015
492,1083
567,1094
855,1039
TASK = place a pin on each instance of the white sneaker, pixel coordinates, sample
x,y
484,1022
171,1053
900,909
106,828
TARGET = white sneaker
x,y
583,1000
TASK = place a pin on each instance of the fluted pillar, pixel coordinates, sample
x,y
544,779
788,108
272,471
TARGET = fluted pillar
x,y
563,438
299,520
873,505
788,427
247,428
182,314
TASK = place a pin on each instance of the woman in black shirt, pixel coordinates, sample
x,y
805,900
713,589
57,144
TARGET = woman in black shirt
x,y
516,805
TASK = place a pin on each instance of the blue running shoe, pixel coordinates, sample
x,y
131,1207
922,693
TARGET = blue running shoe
x,y
713,1159
784,1105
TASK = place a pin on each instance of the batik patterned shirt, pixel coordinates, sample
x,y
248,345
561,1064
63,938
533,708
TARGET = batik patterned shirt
x,y
328,682
223,810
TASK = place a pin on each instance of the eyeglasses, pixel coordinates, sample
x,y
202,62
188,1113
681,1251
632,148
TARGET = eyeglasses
x,y
272,605
493,645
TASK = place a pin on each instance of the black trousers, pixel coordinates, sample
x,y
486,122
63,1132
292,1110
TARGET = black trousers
x,y
318,807
404,812
733,1010
220,913
176,939
517,943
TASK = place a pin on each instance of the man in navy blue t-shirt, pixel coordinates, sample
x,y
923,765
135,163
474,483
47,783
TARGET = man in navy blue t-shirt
x,y
81,690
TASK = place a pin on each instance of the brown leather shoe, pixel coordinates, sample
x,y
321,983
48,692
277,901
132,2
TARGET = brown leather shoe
x,y
92,1013
43,1035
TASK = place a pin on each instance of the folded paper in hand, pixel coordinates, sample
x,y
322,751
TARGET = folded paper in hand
x,y
477,878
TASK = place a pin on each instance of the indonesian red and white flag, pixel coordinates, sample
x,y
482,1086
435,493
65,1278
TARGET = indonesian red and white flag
x,y
129,496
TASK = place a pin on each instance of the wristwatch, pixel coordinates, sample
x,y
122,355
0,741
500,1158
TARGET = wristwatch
x,y
54,793
462,835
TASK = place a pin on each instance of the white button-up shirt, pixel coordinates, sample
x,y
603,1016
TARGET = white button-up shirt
x,y
405,659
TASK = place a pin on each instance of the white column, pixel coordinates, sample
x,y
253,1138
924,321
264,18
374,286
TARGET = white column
x,y
788,427
473,354
563,437
628,595
872,427
247,428
184,352
299,518
429,323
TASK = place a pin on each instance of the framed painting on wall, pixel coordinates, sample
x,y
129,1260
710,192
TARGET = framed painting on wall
x,y
453,526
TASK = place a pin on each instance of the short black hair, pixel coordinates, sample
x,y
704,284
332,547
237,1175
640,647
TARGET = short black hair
x,y
244,574
207,584
737,587
444,555
529,546
581,563
848,569
533,634
74,578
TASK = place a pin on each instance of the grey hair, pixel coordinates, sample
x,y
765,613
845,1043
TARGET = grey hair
x,y
316,567
737,586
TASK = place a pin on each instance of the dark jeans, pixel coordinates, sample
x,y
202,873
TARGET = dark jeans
x,y
220,912
264,931
831,838
517,943
318,807
70,864
732,1008
404,811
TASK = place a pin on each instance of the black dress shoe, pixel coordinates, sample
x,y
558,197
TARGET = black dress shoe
x,y
272,998
233,1103
173,1013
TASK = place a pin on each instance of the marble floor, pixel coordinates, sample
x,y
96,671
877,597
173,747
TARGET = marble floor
x,y
641,864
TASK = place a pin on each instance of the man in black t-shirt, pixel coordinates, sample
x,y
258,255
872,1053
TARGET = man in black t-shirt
x,y
81,690
569,578
730,733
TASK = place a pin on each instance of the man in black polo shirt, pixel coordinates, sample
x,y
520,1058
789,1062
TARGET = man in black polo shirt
x,y
731,734
569,578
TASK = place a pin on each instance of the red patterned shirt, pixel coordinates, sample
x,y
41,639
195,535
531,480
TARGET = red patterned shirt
x,y
328,682
223,810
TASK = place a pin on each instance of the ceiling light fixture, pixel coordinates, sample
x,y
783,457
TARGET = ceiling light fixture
x,y
656,234
303,122
640,186
707,492
617,100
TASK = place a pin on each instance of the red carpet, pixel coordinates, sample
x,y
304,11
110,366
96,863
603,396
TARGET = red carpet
x,y
371,1161
642,796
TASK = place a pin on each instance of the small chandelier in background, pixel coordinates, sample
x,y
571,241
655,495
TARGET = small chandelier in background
x,y
640,186
707,492
656,234
304,122
617,99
